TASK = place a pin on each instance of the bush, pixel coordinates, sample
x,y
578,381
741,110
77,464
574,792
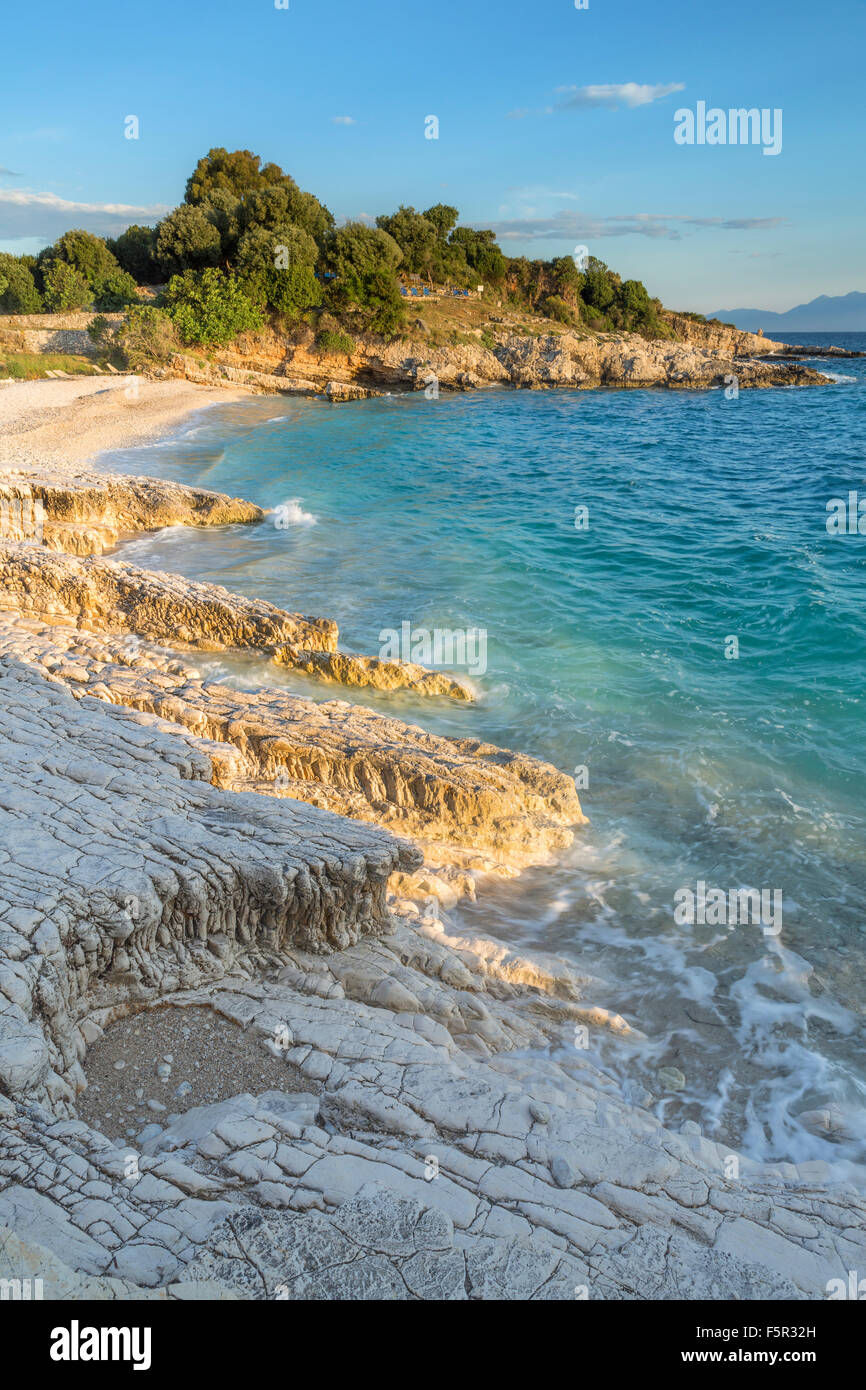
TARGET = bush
x,y
276,268
146,338
66,289
555,307
134,251
18,294
334,340
209,308
115,291
293,290
187,240
84,252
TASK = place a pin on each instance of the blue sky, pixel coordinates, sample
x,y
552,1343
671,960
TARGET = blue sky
x,y
555,124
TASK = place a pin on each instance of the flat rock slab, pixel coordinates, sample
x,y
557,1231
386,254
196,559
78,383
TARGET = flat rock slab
x,y
124,869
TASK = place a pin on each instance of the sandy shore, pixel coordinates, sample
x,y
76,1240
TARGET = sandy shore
x,y
63,424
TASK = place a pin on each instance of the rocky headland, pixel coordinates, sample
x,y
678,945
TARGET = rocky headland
x,y
503,351
244,1050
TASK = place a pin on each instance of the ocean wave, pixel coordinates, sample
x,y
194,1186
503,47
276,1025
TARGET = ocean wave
x,y
291,513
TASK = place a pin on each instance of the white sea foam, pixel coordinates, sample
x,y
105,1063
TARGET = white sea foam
x,y
291,513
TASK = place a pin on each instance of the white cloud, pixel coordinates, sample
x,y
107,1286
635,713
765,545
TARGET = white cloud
x,y
343,120
24,197
614,94
584,227
25,213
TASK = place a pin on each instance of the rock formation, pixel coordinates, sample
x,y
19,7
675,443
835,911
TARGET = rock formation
x,y
244,1053
702,356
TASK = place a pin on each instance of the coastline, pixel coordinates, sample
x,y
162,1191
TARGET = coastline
x,y
403,1040
63,424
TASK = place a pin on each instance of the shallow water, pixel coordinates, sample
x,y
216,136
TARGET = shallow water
x,y
606,649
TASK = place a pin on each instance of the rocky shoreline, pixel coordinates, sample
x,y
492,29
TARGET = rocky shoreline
x,y
244,1051
698,355
562,359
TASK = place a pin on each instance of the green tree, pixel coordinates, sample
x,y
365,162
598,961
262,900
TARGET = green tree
x,y
20,295
237,172
444,219
135,251
635,302
224,175
225,212
209,307
66,288
482,254
598,289
567,280
187,240
356,250
364,260
382,310
115,291
417,239
282,203
276,268
84,252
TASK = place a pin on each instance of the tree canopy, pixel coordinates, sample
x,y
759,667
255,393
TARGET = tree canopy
x,y
247,229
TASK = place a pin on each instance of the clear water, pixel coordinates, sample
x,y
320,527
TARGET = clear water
x,y
607,649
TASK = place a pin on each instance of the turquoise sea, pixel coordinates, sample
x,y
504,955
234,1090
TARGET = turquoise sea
x,y
609,649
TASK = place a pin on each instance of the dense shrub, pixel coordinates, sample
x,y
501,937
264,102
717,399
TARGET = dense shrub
x,y
115,291
18,292
87,254
145,338
209,307
187,240
556,308
135,252
332,340
66,289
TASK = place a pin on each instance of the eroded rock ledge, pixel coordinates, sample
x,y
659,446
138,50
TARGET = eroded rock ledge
x,y
86,513
112,596
437,1135
703,355
466,802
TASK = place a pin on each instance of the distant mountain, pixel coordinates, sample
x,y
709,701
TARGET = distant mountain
x,y
841,313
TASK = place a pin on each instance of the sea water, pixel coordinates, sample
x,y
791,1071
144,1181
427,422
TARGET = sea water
x,y
692,650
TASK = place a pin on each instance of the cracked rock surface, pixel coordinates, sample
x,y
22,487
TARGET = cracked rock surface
x,y
243,1051
462,799
436,1136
